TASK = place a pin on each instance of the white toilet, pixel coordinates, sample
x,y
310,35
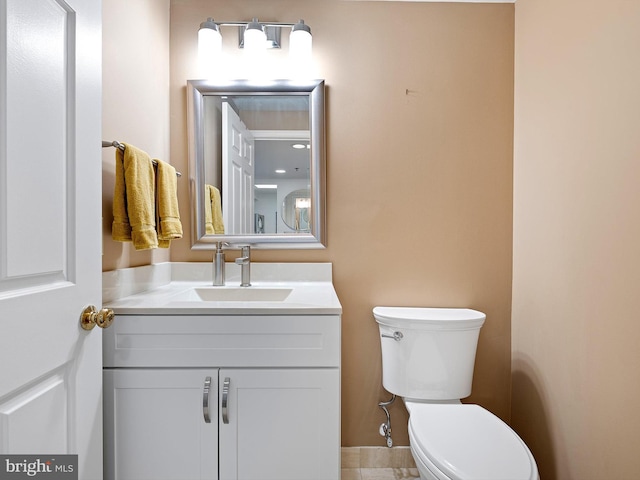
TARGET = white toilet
x,y
428,355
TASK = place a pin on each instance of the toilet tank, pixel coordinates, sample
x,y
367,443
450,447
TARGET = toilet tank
x,y
428,353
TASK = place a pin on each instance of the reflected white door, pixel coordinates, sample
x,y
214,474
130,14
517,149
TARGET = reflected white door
x,y
50,194
238,151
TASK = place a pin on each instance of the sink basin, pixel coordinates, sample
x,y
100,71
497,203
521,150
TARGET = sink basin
x,y
235,294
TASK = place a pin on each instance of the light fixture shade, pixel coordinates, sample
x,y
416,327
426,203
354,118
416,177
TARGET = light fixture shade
x,y
300,42
254,37
209,45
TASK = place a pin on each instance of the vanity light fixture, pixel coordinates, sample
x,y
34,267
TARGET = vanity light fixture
x,y
281,171
255,34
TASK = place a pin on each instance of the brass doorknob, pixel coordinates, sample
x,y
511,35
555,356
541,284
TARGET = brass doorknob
x,y
91,317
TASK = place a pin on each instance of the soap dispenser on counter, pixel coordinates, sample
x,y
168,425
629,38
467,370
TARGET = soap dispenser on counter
x,y
218,265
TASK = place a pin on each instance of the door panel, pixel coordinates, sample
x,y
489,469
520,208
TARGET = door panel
x,y
50,81
37,78
21,417
238,170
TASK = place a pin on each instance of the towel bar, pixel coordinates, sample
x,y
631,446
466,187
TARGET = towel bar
x,y
120,146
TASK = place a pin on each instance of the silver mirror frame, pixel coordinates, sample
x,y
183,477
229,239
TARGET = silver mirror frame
x,y
197,90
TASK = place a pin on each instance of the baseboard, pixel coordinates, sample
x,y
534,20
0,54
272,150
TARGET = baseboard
x,y
377,457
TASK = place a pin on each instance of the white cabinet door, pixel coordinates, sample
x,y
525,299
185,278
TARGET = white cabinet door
x,y
281,424
156,424
51,379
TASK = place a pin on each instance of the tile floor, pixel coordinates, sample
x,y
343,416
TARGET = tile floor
x,y
378,463
380,474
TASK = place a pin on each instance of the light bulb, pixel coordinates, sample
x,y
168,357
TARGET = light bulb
x,y
300,43
254,37
209,46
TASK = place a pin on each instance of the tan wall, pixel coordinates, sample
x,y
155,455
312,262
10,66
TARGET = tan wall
x,y
576,230
419,182
135,103
429,220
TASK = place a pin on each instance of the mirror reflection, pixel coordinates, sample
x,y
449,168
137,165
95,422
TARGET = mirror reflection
x,y
257,163
295,210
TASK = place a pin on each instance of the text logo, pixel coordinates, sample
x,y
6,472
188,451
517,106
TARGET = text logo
x,y
45,467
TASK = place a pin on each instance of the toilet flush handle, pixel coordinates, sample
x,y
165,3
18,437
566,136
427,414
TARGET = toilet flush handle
x,y
397,336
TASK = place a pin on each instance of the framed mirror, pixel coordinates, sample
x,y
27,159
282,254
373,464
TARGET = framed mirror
x,y
257,163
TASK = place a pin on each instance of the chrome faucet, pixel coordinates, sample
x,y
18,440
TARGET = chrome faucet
x,y
245,263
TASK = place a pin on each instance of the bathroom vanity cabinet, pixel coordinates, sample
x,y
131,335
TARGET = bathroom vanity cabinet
x,y
229,397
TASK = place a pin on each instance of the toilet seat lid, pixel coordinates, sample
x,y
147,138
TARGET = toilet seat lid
x,y
468,442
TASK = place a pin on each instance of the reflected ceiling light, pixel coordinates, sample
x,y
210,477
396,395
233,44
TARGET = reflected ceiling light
x,y
281,171
255,34
298,146
303,202
265,185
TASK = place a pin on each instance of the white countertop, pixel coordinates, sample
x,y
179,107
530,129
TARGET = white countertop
x,y
312,292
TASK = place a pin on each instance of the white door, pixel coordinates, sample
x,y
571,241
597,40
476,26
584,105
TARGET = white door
x,y
50,240
238,150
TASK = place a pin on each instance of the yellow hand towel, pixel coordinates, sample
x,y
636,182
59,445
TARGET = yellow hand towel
x,y
168,222
214,223
216,211
208,215
120,228
139,179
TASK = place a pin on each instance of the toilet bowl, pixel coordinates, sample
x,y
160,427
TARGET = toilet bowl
x,y
428,355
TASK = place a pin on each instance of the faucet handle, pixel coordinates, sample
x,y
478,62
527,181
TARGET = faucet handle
x,y
244,259
245,253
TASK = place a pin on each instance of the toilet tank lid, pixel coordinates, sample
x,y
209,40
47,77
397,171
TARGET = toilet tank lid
x,y
445,318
